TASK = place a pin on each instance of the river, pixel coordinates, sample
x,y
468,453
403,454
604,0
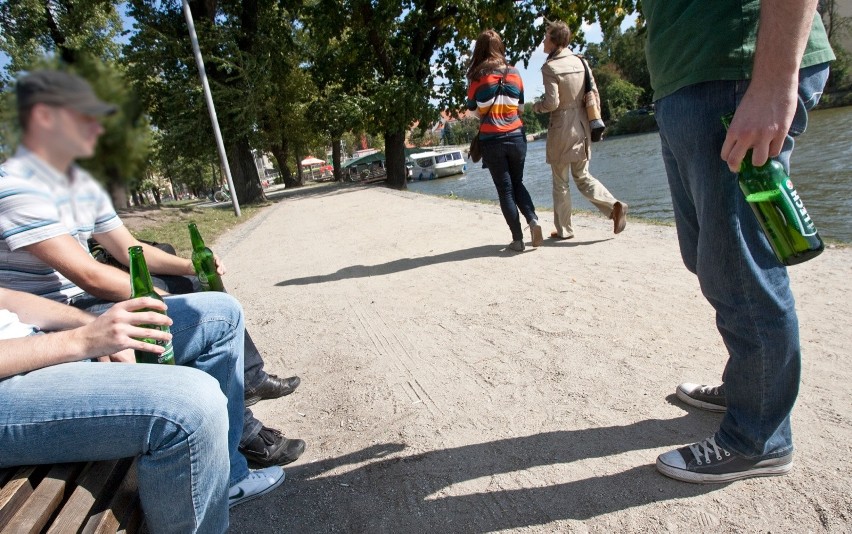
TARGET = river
x,y
631,167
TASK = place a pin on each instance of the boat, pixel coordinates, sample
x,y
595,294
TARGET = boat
x,y
437,164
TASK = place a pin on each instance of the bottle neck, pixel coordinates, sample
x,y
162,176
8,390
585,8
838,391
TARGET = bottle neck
x,y
140,278
195,237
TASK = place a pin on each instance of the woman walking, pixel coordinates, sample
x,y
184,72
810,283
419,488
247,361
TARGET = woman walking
x,y
495,91
569,136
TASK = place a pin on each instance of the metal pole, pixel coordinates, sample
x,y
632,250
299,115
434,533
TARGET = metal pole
x,y
223,158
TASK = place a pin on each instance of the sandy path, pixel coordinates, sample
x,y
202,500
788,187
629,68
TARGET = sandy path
x,y
450,386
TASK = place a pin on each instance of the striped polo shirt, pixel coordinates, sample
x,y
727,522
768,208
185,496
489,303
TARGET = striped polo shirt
x,y
504,118
37,202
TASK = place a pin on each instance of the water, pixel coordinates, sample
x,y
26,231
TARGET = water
x,y
631,167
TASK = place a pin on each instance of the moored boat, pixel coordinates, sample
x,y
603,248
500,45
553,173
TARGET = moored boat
x,y
437,164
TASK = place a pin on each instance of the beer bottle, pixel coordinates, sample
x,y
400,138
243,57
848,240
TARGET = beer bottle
x,y
141,286
203,262
779,209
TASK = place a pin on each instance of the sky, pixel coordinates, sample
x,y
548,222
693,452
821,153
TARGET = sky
x,y
533,86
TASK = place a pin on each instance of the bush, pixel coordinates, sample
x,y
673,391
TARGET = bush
x,y
632,123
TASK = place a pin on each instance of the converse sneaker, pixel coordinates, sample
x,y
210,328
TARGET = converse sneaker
x,y
258,482
710,398
706,462
517,246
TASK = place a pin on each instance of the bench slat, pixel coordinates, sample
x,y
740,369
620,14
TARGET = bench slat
x,y
122,507
95,485
48,496
16,491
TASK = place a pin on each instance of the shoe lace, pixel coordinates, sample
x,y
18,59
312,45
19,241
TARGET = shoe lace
x,y
703,449
715,391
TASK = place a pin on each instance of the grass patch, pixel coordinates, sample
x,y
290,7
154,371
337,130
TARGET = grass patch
x,y
169,224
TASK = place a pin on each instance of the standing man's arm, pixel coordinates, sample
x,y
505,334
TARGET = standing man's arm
x,y
764,116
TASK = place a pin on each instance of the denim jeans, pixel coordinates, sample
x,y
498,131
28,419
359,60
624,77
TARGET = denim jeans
x,y
505,158
175,418
253,372
723,244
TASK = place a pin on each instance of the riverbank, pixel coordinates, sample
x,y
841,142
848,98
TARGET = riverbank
x,y
449,385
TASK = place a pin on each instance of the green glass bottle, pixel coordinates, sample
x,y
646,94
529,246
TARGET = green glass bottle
x,y
779,210
142,286
203,262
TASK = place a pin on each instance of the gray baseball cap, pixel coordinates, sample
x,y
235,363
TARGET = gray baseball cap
x,y
57,88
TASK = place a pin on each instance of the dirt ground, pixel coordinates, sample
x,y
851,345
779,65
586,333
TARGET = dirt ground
x,y
449,385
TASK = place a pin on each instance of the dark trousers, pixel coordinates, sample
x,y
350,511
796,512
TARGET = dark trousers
x,y
505,158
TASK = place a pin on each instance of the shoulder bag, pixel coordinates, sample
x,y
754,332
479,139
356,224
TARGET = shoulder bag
x,y
593,106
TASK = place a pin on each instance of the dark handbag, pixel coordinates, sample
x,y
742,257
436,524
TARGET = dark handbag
x,y
475,151
593,108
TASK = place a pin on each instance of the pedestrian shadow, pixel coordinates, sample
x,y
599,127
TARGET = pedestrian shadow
x,y
400,265
430,491
571,243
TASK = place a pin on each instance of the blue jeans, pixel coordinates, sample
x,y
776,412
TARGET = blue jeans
x,y
723,244
253,373
183,424
505,158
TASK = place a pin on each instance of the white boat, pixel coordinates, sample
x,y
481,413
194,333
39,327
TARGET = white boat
x,y
437,164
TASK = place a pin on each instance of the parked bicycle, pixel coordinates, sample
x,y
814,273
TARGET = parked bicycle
x,y
222,195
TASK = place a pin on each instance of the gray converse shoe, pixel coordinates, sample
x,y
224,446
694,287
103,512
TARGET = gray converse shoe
x,y
517,246
258,482
706,462
710,398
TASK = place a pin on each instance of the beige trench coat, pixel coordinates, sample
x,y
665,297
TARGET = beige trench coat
x,y
568,135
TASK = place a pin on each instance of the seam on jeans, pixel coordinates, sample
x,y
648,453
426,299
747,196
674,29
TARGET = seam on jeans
x,y
203,321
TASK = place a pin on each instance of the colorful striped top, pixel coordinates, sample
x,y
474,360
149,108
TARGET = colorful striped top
x,y
504,118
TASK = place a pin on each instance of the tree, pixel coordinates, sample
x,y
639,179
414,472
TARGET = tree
x,y
81,37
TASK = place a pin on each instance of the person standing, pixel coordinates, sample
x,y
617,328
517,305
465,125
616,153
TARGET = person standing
x,y
49,207
496,92
766,62
569,147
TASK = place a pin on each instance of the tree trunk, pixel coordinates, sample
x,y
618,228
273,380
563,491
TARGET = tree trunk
x,y
244,172
300,175
280,153
395,159
156,192
335,159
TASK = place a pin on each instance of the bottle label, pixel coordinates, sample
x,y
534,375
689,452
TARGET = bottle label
x,y
168,355
796,211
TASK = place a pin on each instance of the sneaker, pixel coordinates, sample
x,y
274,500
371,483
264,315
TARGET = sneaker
x,y
517,246
710,398
258,482
706,462
535,230
269,447
619,217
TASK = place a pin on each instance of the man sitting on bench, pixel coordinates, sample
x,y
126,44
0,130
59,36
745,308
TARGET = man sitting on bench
x,y
183,421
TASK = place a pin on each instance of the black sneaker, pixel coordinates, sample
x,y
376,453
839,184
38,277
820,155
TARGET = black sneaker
x,y
710,398
706,462
270,448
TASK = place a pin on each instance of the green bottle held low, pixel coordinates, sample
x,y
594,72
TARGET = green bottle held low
x,y
203,262
779,209
142,286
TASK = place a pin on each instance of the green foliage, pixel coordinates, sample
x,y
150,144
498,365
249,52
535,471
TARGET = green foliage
x,y
461,132
617,94
535,122
632,123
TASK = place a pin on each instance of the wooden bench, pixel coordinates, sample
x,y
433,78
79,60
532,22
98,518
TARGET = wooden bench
x,y
95,497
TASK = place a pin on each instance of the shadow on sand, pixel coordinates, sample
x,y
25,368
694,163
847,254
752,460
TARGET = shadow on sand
x,y
386,491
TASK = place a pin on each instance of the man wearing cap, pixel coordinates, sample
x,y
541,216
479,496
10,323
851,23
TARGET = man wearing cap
x,y
50,207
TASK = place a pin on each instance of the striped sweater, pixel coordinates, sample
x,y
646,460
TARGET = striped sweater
x,y
504,118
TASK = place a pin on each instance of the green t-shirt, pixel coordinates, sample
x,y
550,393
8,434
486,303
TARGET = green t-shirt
x,y
693,41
